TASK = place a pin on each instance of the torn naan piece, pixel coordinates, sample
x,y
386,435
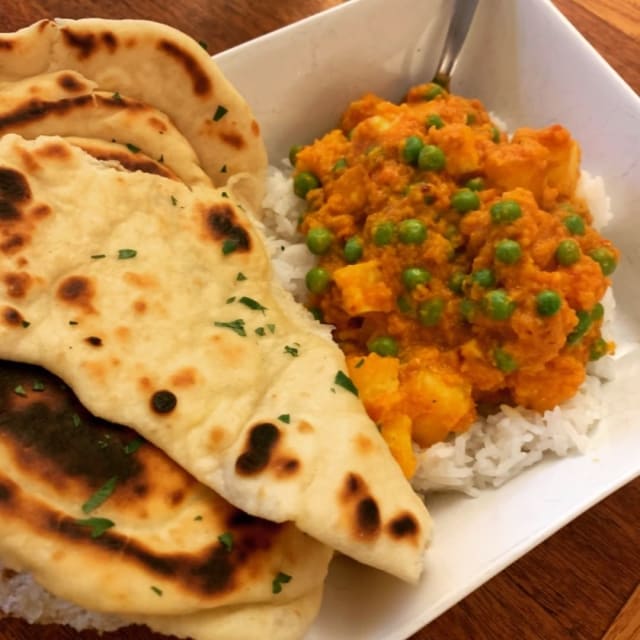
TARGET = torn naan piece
x,y
143,540
64,103
156,65
156,304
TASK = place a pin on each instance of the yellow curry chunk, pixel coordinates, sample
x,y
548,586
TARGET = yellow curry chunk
x,y
458,265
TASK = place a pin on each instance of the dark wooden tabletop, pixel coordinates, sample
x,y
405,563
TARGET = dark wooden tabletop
x,y
584,582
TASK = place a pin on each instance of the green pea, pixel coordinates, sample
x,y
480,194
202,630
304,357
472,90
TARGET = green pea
x,y
414,276
433,91
412,231
456,282
504,361
431,158
475,184
383,346
465,200
568,252
495,134
508,251
353,250
317,280
430,312
411,149
434,120
319,240
483,278
548,303
598,349
403,303
498,305
470,118
340,164
316,312
467,309
574,224
597,313
505,211
383,233
584,324
293,152
605,258
304,182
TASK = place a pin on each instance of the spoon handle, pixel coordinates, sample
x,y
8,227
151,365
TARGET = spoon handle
x,y
461,18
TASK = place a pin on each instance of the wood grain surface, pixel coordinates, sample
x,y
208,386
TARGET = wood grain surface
x,y
582,583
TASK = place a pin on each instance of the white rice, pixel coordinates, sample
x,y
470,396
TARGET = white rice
x,y
495,449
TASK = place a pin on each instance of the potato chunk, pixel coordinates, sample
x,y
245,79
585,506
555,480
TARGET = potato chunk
x,y
363,288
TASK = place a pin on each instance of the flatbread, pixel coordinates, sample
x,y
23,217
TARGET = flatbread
x,y
162,562
190,342
67,104
156,65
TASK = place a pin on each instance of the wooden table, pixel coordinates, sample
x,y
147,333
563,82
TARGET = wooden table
x,y
583,583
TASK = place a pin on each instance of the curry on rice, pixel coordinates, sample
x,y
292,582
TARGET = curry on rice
x,y
458,265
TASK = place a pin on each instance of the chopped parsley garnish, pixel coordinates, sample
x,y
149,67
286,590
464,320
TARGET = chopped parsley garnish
x,y
224,194
132,446
251,303
234,325
221,112
271,327
19,391
260,331
156,590
25,324
98,256
240,277
102,494
292,351
75,420
278,581
359,363
285,417
132,147
98,525
231,299
344,381
203,44
226,540
38,385
174,202
223,168
126,254
229,246
117,96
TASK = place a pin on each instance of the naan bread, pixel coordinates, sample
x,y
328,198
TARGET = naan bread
x,y
65,103
187,340
162,562
156,65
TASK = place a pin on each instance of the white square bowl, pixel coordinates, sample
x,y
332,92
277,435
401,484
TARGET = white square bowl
x,y
529,66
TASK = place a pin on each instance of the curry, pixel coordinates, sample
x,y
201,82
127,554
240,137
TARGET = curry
x,y
458,266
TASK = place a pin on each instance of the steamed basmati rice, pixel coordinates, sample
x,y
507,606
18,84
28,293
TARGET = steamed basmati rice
x,y
494,449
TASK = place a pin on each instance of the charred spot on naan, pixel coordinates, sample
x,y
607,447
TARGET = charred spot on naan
x,y
17,284
77,291
359,508
264,452
72,82
404,526
86,43
12,317
200,79
222,223
14,192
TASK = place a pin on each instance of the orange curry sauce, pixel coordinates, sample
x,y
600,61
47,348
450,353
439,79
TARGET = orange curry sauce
x,y
458,265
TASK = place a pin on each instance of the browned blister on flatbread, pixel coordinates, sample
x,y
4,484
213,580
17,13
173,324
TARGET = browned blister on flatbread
x,y
156,304
167,531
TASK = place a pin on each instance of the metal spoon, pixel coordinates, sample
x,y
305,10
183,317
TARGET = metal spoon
x,y
461,18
